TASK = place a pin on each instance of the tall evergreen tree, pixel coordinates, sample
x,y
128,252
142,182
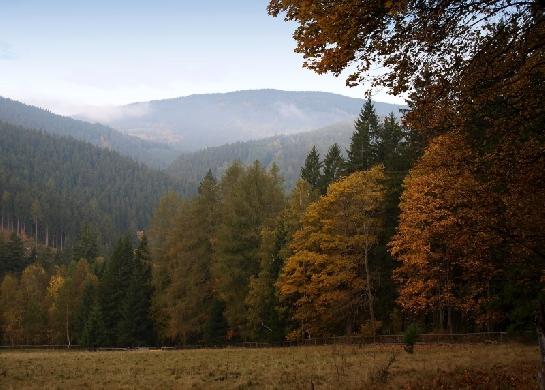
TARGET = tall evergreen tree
x,y
114,286
389,149
311,171
14,256
362,152
94,333
136,325
333,165
87,245
216,325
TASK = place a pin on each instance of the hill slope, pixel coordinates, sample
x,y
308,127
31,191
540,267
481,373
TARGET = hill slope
x,y
67,183
287,151
151,153
198,121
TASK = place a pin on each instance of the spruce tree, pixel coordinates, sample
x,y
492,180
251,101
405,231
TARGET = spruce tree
x,y
14,254
87,245
113,288
311,171
94,332
216,326
362,152
136,326
333,165
390,147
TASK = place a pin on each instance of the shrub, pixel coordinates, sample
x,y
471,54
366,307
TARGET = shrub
x,y
410,336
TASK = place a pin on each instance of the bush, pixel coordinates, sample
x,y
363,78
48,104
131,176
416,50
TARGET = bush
x,y
410,336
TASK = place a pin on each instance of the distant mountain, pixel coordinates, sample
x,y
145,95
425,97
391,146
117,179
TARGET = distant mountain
x,y
198,121
66,184
151,153
288,151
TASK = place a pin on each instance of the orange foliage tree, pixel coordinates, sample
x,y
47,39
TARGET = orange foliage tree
x,y
328,280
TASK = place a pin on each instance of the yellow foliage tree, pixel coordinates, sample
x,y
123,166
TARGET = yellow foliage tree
x,y
328,280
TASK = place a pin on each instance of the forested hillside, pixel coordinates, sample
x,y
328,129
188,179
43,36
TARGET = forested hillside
x,y
287,151
19,114
52,186
198,121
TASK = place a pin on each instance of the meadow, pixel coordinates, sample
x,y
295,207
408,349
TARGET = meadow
x,y
478,366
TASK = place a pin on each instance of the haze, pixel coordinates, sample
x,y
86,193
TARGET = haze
x,y
67,56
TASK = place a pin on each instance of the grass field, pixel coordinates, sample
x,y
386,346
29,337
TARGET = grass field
x,y
328,367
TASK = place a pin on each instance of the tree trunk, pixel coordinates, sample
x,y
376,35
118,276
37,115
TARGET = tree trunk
x,y
36,231
449,319
47,237
540,324
369,290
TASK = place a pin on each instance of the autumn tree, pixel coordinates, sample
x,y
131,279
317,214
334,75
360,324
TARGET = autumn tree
x,y
184,297
65,293
11,310
33,285
250,199
450,240
327,279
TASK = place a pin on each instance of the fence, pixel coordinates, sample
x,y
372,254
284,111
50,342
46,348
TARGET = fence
x,y
426,338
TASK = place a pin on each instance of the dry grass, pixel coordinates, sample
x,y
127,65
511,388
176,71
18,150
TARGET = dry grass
x,y
327,367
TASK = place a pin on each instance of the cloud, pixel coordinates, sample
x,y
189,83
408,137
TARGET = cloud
x,y
109,114
6,51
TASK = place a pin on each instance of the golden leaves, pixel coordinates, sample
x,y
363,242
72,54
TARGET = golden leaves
x,y
323,278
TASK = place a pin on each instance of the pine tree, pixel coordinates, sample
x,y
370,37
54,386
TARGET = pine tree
x,y
362,152
136,325
216,325
311,171
87,245
333,165
113,288
14,255
81,316
389,149
94,333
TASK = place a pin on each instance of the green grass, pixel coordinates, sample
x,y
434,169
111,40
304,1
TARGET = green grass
x,y
327,367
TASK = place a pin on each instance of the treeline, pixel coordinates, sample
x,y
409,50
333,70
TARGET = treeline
x,y
341,254
88,301
50,187
244,261
286,151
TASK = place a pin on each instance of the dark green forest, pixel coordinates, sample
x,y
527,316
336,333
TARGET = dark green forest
x,y
52,187
286,151
151,153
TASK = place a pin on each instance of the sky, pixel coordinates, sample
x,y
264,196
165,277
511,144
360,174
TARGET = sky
x,y
68,56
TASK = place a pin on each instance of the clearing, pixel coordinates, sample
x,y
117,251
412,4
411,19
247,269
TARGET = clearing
x,y
326,367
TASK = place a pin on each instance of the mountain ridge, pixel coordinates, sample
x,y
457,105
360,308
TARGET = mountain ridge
x,y
20,114
193,122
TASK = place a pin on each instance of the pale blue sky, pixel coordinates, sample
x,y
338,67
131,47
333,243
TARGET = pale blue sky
x,y
66,55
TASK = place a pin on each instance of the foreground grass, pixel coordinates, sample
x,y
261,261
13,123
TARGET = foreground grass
x,y
327,367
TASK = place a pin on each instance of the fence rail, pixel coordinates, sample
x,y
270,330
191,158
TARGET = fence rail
x,y
426,338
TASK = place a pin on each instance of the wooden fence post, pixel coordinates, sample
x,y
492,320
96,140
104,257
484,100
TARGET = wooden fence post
x,y
540,323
